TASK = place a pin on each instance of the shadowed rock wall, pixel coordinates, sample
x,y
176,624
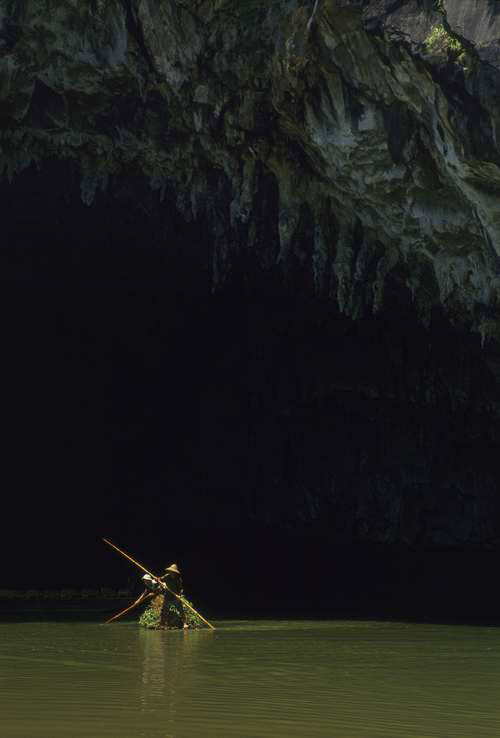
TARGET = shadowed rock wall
x,y
330,169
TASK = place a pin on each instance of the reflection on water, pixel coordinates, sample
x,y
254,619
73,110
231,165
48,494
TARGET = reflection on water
x,y
267,679
168,660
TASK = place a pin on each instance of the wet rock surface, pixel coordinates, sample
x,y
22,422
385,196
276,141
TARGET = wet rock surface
x,y
342,144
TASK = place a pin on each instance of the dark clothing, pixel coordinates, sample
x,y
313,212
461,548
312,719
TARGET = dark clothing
x,y
168,608
172,610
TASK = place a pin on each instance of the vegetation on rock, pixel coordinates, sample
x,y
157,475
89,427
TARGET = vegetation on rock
x,y
440,41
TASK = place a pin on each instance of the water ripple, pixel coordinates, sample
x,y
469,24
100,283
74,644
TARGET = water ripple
x,y
251,679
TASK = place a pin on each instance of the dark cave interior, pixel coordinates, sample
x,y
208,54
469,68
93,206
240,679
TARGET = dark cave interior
x,y
288,458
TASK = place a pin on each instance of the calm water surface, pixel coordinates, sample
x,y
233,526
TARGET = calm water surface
x,y
265,678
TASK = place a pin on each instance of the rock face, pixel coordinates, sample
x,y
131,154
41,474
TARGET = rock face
x,y
343,144
335,150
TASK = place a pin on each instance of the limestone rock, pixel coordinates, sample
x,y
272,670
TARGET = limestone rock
x,y
341,149
354,142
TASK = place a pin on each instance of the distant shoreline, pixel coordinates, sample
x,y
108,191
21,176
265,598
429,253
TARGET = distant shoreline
x,y
64,593
43,604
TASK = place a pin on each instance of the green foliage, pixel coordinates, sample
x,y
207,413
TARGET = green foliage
x,y
440,41
150,618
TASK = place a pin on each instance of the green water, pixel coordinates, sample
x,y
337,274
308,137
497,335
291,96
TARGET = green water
x,y
265,678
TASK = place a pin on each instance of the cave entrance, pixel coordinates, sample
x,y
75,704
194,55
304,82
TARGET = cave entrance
x,y
128,234
137,402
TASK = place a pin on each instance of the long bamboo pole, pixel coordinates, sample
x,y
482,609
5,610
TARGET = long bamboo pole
x,y
130,607
164,584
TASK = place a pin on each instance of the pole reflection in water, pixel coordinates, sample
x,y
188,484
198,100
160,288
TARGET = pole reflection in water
x,y
169,669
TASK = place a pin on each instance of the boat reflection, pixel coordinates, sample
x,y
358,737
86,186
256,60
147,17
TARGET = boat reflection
x,y
169,671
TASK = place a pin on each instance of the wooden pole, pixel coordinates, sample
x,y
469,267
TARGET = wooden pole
x,y
130,607
129,558
163,584
186,604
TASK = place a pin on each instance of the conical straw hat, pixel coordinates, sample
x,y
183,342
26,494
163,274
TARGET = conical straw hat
x,y
173,568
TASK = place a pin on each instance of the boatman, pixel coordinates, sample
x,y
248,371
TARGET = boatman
x,y
171,609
